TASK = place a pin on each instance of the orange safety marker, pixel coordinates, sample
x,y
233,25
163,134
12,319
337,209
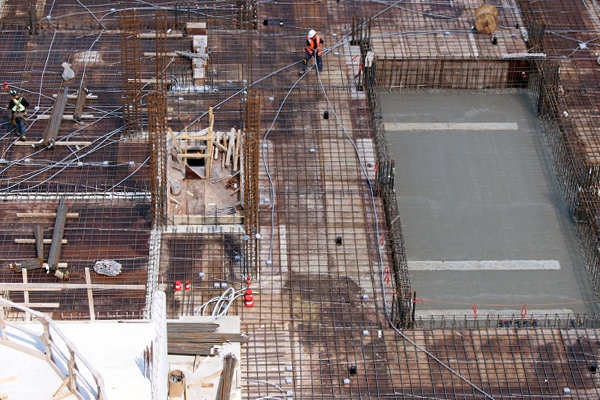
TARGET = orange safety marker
x,y
177,286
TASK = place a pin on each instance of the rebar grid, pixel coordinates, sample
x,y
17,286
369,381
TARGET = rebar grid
x,y
131,75
310,311
157,110
94,230
250,156
565,89
206,265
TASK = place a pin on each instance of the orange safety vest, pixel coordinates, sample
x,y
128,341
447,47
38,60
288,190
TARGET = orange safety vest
x,y
314,43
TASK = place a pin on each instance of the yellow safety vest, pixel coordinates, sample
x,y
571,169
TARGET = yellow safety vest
x,y
17,106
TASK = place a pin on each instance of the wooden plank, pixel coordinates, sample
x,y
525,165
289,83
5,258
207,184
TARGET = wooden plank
x,y
81,97
59,143
43,241
62,286
9,379
193,155
24,349
74,96
153,54
39,241
88,281
40,305
26,294
230,147
51,131
152,35
236,156
57,235
44,215
28,264
68,117
189,219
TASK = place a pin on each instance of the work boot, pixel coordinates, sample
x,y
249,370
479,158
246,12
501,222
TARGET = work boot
x,y
22,138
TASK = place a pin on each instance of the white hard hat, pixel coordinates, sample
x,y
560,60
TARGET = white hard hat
x,y
311,33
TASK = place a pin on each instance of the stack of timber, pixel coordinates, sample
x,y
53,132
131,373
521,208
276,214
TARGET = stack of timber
x,y
198,338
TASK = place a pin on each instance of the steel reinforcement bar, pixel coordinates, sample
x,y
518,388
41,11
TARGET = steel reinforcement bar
x,y
401,313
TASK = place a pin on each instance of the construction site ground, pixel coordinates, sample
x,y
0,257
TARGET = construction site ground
x,y
135,183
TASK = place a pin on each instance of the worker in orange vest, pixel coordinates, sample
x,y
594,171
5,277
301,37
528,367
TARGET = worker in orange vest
x,y
314,47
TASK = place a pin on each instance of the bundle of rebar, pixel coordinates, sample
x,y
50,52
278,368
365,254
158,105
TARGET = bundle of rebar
x,y
198,338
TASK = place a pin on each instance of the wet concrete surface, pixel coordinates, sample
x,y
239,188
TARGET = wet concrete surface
x,y
478,199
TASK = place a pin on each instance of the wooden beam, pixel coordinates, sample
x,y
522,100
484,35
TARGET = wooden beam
x,y
236,156
220,146
230,147
40,305
9,379
25,349
153,54
74,96
152,35
44,215
88,281
29,241
51,131
67,117
211,134
26,294
28,264
79,104
193,155
38,233
29,143
63,286
57,235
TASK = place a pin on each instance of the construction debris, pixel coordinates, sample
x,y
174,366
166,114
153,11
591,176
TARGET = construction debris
x,y
107,267
68,73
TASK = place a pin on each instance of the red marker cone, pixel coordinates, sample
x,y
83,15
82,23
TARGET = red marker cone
x,y
249,298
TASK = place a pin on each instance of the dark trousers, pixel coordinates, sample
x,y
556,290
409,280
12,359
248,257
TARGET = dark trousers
x,y
19,126
308,57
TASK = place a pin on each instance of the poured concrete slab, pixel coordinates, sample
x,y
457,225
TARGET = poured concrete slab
x,y
476,191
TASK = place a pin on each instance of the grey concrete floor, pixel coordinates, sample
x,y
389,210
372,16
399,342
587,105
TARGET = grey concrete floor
x,y
484,222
